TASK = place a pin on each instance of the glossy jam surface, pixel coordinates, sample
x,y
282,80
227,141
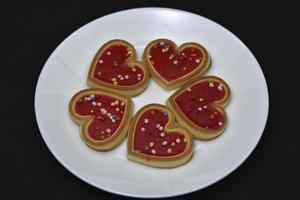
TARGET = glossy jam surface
x,y
196,104
150,138
107,114
112,68
172,64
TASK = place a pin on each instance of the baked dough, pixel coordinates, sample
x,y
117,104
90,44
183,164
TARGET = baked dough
x,y
172,66
199,106
115,68
155,140
103,117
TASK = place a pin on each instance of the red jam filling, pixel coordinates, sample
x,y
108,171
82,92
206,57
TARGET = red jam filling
x,y
107,111
112,67
195,103
150,138
170,63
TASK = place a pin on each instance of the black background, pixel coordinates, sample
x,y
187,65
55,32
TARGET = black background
x,y
30,32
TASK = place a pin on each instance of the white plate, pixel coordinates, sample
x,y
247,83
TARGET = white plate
x,y
65,73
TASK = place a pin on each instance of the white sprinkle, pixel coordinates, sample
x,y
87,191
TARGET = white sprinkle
x,y
200,99
143,129
151,144
220,87
153,151
92,96
211,84
116,102
108,130
126,77
103,111
139,75
122,78
199,108
108,114
112,104
111,117
119,76
164,143
85,98
117,109
139,78
170,57
204,107
94,103
92,111
99,73
108,53
175,62
99,104
157,125
100,61
161,43
162,134
163,50
88,98
169,150
182,54
197,61
113,120
122,103
220,123
149,56
178,141
161,128
146,121
189,89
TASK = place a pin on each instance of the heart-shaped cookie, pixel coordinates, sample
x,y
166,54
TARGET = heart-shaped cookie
x,y
172,66
115,68
103,117
199,106
155,140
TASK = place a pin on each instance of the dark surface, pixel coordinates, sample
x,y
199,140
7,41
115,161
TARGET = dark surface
x,y
31,32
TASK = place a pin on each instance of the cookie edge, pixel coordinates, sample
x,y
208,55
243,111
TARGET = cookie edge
x,y
159,161
170,85
84,121
130,91
200,133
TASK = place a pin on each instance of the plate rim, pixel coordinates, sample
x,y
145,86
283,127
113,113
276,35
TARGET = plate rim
x,y
174,194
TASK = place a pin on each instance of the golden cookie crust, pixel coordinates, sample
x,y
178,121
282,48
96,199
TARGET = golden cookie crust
x,y
199,132
84,121
170,85
154,160
131,90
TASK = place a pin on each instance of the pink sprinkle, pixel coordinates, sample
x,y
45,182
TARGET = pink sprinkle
x,y
153,151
